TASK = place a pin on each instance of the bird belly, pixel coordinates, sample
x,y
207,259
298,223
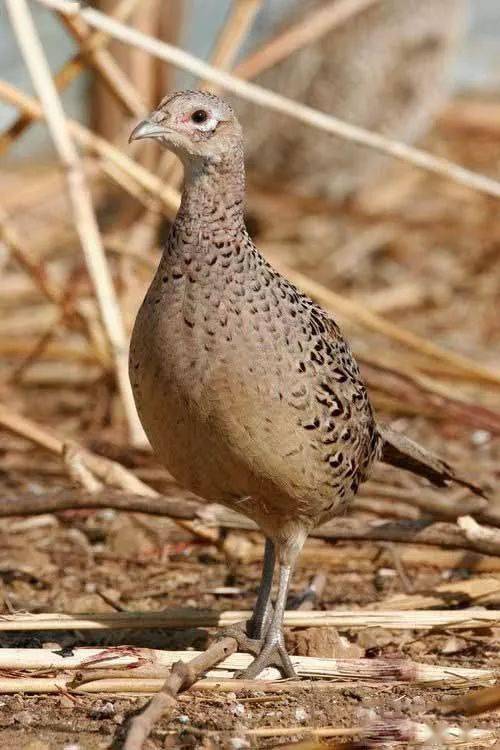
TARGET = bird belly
x,y
227,427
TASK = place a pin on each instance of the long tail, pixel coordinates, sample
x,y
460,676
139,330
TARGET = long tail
x,y
400,451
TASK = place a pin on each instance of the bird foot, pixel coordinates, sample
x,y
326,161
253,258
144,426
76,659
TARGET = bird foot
x,y
268,651
272,653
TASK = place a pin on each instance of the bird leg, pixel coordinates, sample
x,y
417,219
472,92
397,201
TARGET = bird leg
x,y
263,610
273,652
249,634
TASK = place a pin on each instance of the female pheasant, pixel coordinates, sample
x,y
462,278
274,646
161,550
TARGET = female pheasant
x,y
247,390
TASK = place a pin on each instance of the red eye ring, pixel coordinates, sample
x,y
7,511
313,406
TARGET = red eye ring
x,y
199,116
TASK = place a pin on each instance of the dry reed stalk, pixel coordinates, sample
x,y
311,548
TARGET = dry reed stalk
x,y
81,202
420,388
104,64
110,472
385,508
265,98
316,24
124,685
465,619
134,661
447,559
54,350
440,506
90,48
88,140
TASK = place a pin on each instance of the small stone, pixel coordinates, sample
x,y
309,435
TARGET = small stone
x,y
106,514
386,572
239,743
183,719
237,709
326,643
453,645
301,715
102,710
108,709
480,437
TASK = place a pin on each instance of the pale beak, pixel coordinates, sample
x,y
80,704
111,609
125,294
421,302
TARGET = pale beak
x,y
147,129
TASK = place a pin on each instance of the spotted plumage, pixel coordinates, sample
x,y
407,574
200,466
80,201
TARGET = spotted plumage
x,y
246,388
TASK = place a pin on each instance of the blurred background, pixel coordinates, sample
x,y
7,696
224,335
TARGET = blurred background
x,y
406,261
195,24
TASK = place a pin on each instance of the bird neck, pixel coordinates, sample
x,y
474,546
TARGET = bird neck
x,y
213,195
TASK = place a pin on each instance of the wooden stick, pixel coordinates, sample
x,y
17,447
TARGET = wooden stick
x,y
463,619
90,48
488,538
81,201
276,102
182,676
37,272
310,29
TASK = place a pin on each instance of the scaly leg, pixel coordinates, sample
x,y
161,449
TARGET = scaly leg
x,y
263,610
273,652
249,634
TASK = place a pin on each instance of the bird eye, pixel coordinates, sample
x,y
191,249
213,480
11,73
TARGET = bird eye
x,y
199,116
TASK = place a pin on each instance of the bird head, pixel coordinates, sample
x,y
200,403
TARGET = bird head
x,y
194,125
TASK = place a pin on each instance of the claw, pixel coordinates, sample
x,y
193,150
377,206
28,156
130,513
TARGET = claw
x,y
271,655
269,651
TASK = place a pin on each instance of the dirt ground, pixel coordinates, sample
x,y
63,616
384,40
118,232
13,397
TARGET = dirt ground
x,y
426,255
